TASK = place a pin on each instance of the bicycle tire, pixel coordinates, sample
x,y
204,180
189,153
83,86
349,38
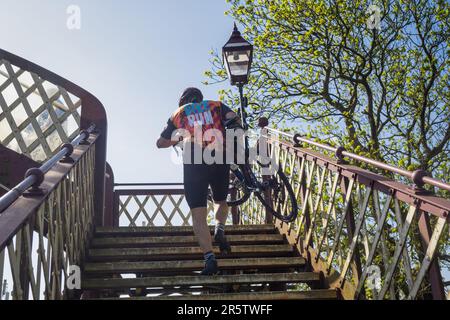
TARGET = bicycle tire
x,y
293,212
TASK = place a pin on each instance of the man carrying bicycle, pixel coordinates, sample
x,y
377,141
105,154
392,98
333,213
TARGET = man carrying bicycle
x,y
200,175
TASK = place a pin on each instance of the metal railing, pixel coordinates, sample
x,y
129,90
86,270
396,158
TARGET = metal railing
x,y
419,177
372,237
40,111
46,219
46,229
34,177
152,204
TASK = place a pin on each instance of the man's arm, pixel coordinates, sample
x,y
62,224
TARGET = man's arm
x,y
229,114
163,143
165,140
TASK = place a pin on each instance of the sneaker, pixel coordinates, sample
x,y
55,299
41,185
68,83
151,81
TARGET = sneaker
x,y
211,268
224,246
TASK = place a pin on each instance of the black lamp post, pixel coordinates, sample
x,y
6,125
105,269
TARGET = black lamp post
x,y
237,59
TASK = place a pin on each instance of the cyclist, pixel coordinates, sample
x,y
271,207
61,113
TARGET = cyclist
x,y
194,112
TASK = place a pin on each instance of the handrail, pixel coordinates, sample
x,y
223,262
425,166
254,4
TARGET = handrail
x,y
147,184
35,176
419,177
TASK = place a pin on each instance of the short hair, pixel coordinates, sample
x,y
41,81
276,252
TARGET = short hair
x,y
191,95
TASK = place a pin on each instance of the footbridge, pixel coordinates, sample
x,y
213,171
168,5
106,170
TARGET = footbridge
x,y
365,229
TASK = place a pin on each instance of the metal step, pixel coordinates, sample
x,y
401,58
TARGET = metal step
x,y
184,230
187,241
302,277
290,295
180,253
193,265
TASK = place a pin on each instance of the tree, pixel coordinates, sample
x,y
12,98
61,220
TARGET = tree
x,y
321,67
326,68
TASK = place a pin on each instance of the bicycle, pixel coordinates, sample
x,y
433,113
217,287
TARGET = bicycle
x,y
273,191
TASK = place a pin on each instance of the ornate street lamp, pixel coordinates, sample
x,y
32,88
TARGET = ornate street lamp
x,y
237,58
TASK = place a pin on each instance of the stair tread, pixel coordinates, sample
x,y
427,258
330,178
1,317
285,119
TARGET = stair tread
x,y
322,294
148,282
183,240
185,252
181,230
193,265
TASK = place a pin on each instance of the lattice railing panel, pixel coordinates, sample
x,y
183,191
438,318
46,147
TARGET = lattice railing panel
x,y
37,259
155,209
252,212
36,116
365,237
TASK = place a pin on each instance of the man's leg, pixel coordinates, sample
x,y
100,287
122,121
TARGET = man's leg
x,y
222,210
221,220
219,182
196,192
201,229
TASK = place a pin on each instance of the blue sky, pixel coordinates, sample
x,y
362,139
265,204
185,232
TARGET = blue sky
x,y
136,56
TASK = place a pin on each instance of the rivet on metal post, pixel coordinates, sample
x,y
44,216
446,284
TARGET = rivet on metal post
x,y
418,186
340,156
67,157
297,143
85,141
35,190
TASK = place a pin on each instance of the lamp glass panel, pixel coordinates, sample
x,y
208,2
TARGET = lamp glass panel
x,y
238,62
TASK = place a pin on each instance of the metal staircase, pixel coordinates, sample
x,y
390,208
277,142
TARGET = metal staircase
x,y
164,263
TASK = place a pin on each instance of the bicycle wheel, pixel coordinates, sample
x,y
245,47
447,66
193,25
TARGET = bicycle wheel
x,y
279,198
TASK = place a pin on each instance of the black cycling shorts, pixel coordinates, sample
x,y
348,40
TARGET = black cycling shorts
x,y
199,177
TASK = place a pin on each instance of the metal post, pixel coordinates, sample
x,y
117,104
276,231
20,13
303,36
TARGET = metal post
x,y
434,272
109,219
263,123
116,209
350,219
235,210
243,115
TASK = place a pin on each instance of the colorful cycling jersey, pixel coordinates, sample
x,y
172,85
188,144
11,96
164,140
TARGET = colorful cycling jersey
x,y
206,114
